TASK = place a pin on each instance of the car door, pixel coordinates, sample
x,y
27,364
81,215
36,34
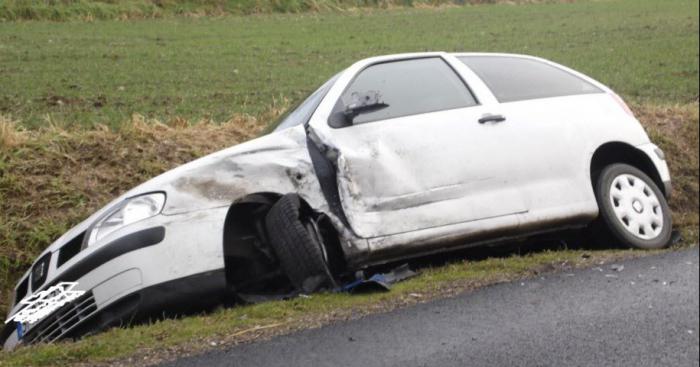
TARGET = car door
x,y
424,160
551,110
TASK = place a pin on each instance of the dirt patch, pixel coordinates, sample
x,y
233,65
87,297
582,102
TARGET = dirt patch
x,y
59,101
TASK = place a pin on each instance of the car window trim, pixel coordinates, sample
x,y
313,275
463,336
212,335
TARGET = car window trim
x,y
557,96
447,63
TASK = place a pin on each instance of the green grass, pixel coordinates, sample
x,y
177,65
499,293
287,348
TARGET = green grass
x,y
82,74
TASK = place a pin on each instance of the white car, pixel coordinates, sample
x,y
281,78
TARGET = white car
x,y
394,157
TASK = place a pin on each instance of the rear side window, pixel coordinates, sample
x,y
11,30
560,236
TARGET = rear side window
x,y
516,79
409,87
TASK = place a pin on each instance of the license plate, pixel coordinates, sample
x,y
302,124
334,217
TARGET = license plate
x,y
20,330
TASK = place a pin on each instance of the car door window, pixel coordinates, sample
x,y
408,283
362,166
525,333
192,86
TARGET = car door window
x,y
408,87
516,78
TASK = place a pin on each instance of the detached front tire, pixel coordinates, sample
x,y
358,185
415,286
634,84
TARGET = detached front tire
x,y
633,210
295,238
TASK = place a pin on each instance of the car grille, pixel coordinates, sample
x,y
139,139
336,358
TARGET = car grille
x,y
39,271
63,320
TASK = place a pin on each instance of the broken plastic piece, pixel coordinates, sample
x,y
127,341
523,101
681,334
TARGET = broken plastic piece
x,y
380,281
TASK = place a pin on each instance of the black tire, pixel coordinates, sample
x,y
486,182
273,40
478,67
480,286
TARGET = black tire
x,y
610,228
296,241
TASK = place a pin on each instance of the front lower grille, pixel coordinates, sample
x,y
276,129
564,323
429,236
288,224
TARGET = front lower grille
x,y
63,320
70,249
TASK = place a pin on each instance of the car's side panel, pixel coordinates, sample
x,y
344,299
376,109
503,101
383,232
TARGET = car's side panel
x,y
439,239
548,155
560,135
421,171
593,121
552,157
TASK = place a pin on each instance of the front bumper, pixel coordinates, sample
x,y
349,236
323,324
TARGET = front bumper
x,y
160,263
660,164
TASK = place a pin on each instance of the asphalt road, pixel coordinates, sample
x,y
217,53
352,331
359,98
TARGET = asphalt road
x,y
643,315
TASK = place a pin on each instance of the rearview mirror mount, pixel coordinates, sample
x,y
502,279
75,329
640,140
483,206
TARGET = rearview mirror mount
x,y
367,102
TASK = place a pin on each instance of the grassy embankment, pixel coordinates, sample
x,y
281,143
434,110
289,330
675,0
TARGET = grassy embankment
x,y
73,97
90,10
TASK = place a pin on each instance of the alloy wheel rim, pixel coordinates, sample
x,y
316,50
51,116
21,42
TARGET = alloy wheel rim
x,y
636,206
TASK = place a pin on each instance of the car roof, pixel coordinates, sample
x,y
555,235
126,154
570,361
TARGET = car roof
x,y
439,53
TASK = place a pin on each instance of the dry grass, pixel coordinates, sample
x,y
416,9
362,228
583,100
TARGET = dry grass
x,y
675,130
52,178
10,135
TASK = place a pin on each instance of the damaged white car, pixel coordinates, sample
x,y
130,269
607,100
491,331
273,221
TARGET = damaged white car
x,y
394,157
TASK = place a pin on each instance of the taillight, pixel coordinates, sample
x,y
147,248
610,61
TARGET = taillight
x,y
622,104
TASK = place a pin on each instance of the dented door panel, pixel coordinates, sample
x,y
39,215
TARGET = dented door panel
x,y
422,171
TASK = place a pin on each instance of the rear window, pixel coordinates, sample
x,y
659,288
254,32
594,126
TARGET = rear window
x,y
516,79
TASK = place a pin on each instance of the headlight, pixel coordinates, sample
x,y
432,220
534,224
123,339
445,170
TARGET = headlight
x,y
131,211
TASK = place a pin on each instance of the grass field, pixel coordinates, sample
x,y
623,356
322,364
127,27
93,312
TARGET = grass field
x,y
82,74
67,10
170,90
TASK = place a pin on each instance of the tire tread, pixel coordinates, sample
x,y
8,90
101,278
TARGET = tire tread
x,y
298,253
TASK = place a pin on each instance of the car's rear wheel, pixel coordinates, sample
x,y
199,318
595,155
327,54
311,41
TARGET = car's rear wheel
x,y
633,211
296,239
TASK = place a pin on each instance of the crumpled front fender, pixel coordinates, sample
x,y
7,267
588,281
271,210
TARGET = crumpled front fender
x,y
277,163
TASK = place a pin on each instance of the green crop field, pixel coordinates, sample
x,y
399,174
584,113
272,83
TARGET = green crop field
x,y
82,74
158,72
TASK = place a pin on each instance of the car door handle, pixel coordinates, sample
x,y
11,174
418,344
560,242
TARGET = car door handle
x,y
492,118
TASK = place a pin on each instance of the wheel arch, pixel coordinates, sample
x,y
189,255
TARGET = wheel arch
x,y
619,152
247,256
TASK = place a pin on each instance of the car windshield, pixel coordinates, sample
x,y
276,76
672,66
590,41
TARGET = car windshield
x,y
303,111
